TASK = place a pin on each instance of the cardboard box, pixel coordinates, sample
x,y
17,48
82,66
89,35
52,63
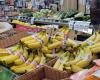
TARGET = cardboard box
x,y
44,72
11,37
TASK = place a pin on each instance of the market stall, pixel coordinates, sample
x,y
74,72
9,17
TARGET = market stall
x,y
46,44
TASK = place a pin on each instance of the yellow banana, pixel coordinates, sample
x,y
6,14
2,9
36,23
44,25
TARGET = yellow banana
x,y
57,64
20,70
70,42
46,50
97,39
26,68
58,38
34,45
61,67
9,59
55,45
95,50
43,60
92,38
83,63
31,56
49,55
76,68
95,46
26,39
3,52
72,62
68,69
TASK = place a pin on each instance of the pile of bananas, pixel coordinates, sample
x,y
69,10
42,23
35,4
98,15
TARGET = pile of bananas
x,y
48,43
39,48
20,60
32,51
81,56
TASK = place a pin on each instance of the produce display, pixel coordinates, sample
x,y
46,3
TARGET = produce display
x,y
52,43
65,14
32,51
39,48
81,16
38,14
42,13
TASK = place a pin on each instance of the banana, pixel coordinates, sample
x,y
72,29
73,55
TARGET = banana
x,y
30,38
70,42
92,38
95,50
43,60
61,67
22,58
9,59
68,69
14,48
26,68
49,55
34,45
3,52
57,64
76,68
95,56
20,70
95,46
26,39
46,50
97,39
55,45
37,59
58,38
72,62
30,59
83,63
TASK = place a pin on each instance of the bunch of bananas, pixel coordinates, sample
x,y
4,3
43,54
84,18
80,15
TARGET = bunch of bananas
x,y
81,55
74,62
20,60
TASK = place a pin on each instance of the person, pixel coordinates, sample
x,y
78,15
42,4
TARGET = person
x,y
46,3
95,12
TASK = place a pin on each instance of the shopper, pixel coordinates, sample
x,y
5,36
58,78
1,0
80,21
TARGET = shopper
x,y
46,3
95,12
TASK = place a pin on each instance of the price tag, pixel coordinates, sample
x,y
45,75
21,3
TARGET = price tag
x,y
71,24
83,26
32,20
89,31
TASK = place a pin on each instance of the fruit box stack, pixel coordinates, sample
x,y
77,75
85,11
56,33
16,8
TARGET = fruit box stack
x,y
11,37
44,73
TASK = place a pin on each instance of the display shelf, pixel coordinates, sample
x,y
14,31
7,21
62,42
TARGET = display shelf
x,y
51,21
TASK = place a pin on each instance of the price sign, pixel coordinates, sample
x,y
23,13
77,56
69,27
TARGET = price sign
x,y
83,26
71,24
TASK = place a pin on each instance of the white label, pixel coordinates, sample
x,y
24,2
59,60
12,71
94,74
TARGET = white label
x,y
71,24
83,26
97,74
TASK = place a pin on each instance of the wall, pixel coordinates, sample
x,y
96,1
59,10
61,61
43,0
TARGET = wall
x,y
81,5
69,4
